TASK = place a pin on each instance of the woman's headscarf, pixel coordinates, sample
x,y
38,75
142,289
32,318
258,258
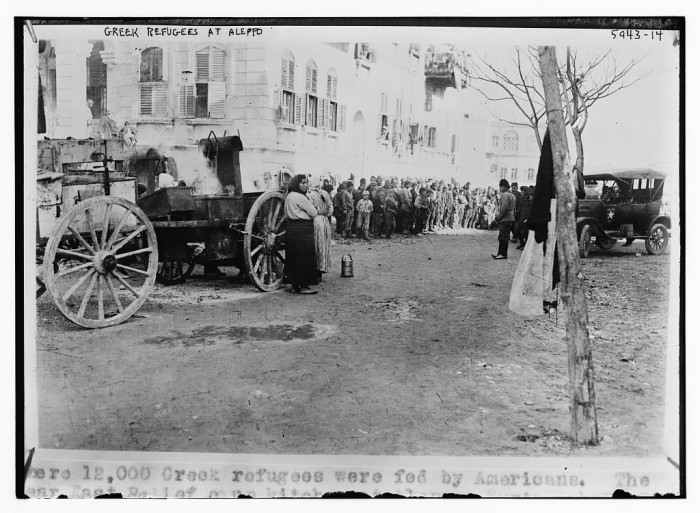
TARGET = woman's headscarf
x,y
294,184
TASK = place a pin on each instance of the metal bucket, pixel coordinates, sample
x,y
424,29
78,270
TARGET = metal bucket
x,y
346,267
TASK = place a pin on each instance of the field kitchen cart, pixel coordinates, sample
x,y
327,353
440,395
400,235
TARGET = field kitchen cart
x,y
108,246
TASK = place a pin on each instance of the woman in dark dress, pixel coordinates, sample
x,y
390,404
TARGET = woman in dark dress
x,y
300,267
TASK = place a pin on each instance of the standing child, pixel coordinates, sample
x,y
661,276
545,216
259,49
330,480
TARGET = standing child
x,y
363,209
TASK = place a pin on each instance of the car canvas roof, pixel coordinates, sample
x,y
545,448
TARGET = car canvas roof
x,y
626,174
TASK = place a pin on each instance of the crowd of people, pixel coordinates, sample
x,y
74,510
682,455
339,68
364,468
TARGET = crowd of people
x,y
381,208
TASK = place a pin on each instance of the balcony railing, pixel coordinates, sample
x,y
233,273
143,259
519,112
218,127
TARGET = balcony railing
x,y
440,68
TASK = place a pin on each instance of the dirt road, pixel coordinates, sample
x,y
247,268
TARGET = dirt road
x,y
417,354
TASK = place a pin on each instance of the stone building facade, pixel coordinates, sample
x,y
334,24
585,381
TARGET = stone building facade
x,y
330,109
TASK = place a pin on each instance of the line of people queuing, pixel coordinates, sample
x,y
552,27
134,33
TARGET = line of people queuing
x,y
384,207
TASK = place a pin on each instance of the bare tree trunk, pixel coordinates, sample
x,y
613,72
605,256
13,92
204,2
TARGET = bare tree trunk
x,y
584,427
579,148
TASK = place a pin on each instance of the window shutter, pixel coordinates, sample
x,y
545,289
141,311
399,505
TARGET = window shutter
x,y
298,119
217,99
277,104
314,81
335,87
342,118
285,74
202,65
308,111
160,100
329,87
218,65
308,78
290,83
146,99
326,110
186,101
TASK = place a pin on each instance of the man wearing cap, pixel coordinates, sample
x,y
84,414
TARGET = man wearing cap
x,y
505,219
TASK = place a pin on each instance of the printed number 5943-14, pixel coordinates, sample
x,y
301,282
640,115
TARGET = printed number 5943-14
x,y
632,34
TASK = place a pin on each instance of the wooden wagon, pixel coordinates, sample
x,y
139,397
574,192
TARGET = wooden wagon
x,y
101,245
230,227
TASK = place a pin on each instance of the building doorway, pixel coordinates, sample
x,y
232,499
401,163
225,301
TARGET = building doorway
x,y
357,144
97,81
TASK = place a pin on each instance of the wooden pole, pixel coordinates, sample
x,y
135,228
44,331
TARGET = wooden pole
x,y
583,427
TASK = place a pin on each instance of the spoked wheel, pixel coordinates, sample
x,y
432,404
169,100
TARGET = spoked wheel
x,y
657,240
263,242
40,288
101,262
173,273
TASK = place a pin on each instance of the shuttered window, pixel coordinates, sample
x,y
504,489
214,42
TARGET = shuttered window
x,y
311,77
289,105
287,81
206,98
186,101
153,89
154,98
332,85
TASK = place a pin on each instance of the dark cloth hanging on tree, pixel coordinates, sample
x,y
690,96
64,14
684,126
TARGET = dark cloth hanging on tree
x,y
540,213
544,192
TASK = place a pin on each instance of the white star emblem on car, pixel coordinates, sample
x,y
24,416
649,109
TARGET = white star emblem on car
x,y
611,214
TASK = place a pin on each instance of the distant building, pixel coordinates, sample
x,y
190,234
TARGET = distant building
x,y
331,109
497,150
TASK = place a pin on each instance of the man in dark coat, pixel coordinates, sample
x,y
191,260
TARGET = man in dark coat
x,y
518,202
505,219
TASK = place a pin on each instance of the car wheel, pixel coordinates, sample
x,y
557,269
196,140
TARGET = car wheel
x,y
657,240
584,241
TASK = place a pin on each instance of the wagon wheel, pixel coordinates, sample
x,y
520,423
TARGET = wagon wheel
x,y
40,288
584,241
174,273
263,241
101,261
657,240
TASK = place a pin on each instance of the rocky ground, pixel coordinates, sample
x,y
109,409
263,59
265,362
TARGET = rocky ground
x,y
416,354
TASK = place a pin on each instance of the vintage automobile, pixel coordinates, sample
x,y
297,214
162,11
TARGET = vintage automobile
x,y
624,204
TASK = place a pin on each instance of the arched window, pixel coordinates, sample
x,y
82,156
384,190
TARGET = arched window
x,y
287,102
153,89
311,77
287,78
331,119
312,104
152,63
332,85
510,141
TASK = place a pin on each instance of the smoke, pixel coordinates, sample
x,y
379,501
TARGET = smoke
x,y
196,171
